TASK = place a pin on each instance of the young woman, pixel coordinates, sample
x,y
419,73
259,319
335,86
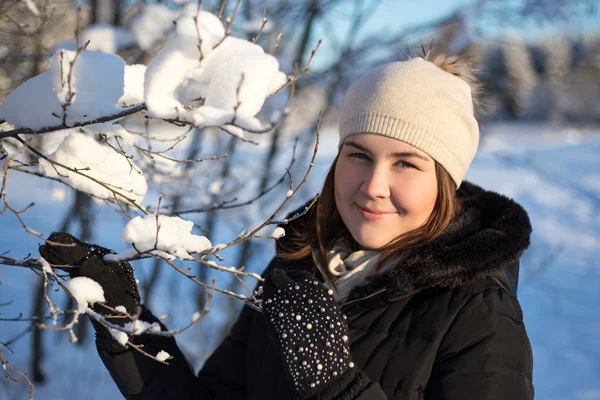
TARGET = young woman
x,y
400,283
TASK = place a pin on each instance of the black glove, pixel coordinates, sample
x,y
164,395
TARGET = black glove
x,y
310,330
115,278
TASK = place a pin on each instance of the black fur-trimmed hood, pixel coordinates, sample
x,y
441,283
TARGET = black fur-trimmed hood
x,y
491,232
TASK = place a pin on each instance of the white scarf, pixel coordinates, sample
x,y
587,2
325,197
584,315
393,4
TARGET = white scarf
x,y
348,268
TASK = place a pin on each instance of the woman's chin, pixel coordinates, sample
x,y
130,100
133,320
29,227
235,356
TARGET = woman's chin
x,y
369,242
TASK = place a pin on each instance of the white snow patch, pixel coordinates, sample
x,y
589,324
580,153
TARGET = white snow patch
x,y
163,355
119,336
59,194
134,85
278,233
178,59
107,38
96,82
86,292
33,104
121,309
234,79
238,74
105,165
196,316
138,327
153,24
45,265
174,237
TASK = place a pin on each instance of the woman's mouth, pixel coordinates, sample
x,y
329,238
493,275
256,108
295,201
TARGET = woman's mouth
x,y
372,215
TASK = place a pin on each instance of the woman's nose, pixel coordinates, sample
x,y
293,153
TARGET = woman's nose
x,y
376,183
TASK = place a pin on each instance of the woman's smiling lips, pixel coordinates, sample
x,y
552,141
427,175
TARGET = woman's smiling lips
x,y
372,215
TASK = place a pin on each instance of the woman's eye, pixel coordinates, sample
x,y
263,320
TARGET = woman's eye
x,y
405,164
360,156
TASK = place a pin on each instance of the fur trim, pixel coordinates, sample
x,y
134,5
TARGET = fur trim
x,y
456,65
491,232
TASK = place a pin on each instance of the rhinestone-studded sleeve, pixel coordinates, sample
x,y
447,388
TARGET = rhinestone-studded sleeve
x,y
311,332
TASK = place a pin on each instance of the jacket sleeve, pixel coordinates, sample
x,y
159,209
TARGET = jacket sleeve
x,y
222,377
485,354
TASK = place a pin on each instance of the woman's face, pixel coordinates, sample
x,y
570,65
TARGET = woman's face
x,y
383,188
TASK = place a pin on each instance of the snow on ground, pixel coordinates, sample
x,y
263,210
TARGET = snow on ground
x,y
552,172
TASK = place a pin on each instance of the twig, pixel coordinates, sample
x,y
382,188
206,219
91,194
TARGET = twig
x,y
229,21
157,222
302,72
225,206
8,375
238,102
269,221
198,30
262,26
222,9
276,46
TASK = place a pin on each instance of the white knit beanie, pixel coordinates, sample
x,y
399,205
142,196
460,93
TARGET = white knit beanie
x,y
418,103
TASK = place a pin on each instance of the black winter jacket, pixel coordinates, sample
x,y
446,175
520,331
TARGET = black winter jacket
x,y
444,325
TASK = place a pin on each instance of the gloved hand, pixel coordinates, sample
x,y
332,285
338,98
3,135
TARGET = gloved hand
x,y
115,278
310,330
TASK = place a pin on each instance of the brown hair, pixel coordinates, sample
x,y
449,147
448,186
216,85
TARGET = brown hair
x,y
324,225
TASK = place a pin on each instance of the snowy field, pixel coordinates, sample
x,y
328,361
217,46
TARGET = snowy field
x,y
553,172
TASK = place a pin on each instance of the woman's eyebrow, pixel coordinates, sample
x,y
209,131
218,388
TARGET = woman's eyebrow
x,y
357,146
400,154
409,154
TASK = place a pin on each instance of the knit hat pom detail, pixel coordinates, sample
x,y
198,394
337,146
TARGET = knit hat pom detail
x,y
458,66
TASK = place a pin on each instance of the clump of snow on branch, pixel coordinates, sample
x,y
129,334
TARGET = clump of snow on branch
x,y
196,316
119,336
163,356
177,60
238,74
234,78
45,265
93,84
278,233
105,165
33,104
137,327
175,238
86,292
121,309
